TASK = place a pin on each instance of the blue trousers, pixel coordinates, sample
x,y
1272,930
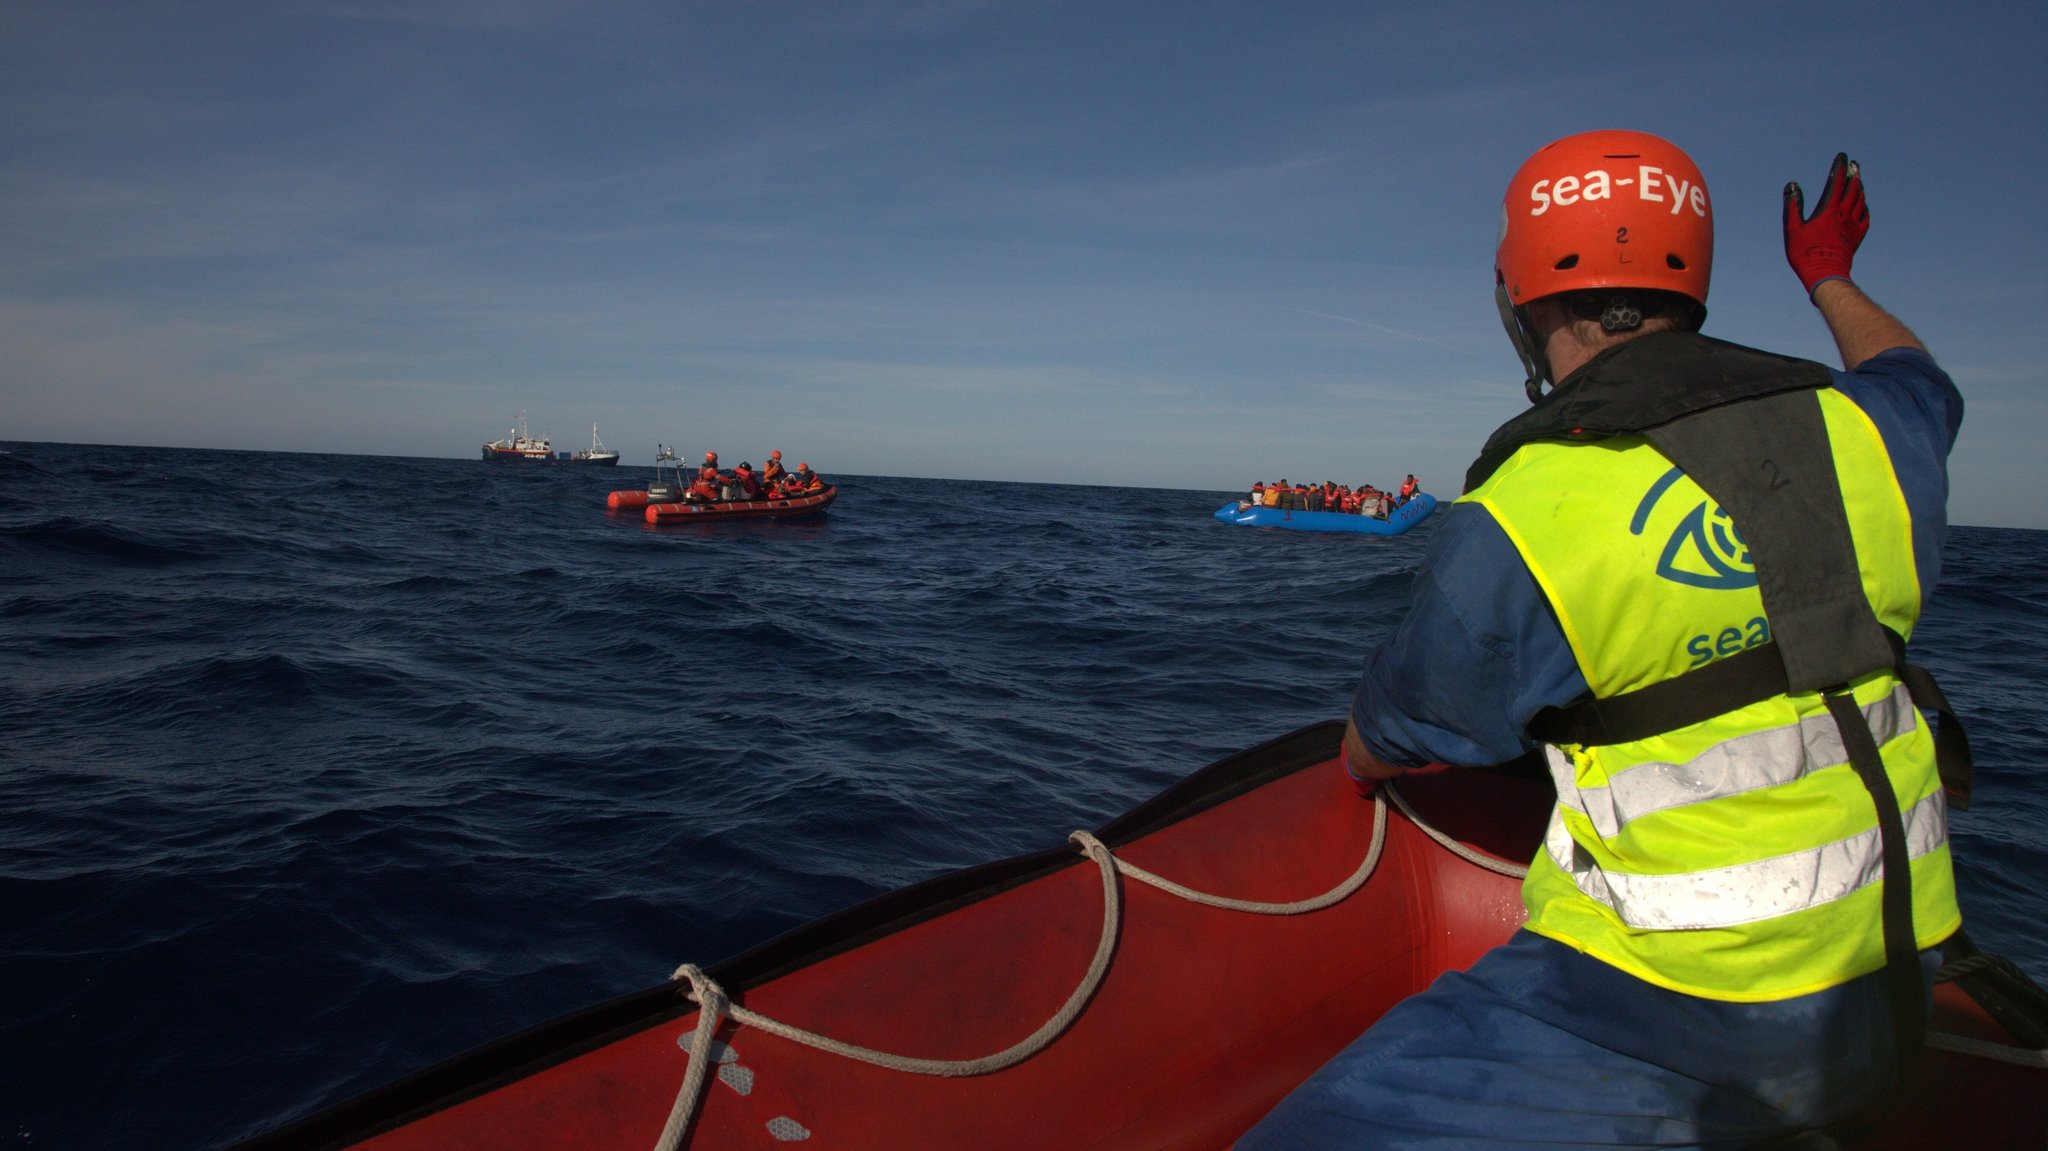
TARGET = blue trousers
x,y
1540,1046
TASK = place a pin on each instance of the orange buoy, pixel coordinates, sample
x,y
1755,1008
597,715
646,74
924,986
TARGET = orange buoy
x,y
626,501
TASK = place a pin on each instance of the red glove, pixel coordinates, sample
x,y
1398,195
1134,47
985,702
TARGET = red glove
x,y
1820,247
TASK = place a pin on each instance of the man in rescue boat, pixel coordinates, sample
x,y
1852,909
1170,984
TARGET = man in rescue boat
x,y
803,481
706,487
772,472
1677,983
746,481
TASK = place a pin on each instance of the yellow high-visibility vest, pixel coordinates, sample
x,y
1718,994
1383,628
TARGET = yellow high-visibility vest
x,y
1736,858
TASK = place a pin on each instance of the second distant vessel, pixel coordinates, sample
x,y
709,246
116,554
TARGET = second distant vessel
x,y
598,453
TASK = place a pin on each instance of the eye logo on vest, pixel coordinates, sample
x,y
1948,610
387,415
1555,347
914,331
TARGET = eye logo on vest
x,y
1705,549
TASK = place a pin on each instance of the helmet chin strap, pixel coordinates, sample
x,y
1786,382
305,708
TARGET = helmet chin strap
x,y
1533,363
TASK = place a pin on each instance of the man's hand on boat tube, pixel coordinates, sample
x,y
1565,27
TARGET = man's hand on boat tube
x,y
1365,768
1821,247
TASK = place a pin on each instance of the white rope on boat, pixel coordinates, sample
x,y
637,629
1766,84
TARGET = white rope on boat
x,y
1478,858
714,1005
1986,1049
1335,895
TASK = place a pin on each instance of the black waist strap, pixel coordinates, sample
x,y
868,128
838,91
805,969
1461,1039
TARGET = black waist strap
x,y
1747,677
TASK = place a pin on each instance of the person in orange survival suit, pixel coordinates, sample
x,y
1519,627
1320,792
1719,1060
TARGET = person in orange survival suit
x,y
773,471
803,481
1737,909
705,486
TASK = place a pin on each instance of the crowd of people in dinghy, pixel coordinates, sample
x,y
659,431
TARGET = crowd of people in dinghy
x,y
772,482
1330,496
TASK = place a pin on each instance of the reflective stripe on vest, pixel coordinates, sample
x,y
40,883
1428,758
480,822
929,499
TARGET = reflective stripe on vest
x,y
1744,763
1748,892
1739,857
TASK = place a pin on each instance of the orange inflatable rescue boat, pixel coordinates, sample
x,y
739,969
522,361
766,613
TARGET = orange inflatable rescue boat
x,y
777,508
1158,983
667,500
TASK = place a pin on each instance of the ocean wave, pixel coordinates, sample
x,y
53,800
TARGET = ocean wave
x,y
73,538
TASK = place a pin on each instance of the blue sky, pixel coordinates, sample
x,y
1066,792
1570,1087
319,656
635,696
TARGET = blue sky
x,y
1180,245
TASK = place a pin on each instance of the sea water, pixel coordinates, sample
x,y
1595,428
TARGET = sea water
x,y
317,769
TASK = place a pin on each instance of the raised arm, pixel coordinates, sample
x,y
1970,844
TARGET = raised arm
x,y
1820,249
1861,328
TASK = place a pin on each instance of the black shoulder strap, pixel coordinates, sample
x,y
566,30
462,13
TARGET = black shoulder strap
x,y
1747,427
1768,464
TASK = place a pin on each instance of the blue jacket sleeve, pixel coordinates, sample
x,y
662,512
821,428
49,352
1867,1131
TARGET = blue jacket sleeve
x,y
1918,412
1477,655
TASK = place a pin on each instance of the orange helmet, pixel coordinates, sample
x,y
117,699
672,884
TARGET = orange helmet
x,y
1606,209
774,455
710,457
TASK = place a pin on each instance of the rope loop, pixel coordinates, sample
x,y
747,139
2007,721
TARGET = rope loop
x,y
712,1005
1476,858
1329,898
715,1006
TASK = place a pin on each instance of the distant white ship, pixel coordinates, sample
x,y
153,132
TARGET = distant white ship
x,y
597,454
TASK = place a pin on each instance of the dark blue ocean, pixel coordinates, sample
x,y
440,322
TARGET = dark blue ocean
x,y
317,769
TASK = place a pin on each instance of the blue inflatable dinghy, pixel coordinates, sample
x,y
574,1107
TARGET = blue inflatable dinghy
x,y
1399,520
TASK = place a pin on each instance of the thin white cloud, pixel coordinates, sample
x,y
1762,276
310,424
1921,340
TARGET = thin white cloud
x,y
1377,327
